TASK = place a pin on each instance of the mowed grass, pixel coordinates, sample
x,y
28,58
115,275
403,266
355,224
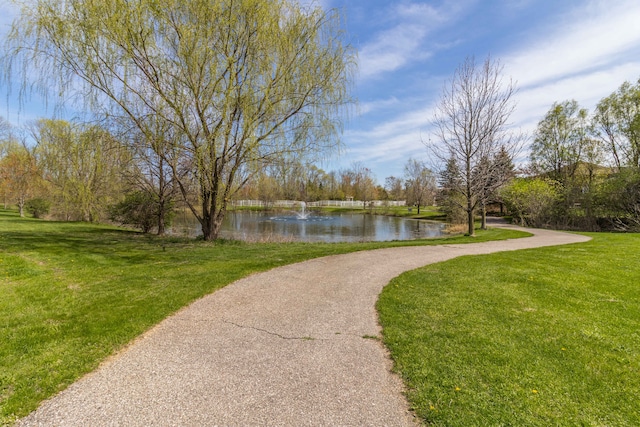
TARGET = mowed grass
x,y
71,294
426,212
542,337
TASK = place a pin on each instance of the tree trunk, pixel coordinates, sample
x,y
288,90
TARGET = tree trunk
x,y
217,225
207,227
211,222
161,219
484,217
161,197
471,228
21,203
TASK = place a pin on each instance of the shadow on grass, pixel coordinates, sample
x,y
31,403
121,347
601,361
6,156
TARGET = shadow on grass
x,y
60,238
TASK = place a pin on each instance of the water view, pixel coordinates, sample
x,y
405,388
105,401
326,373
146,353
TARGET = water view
x,y
315,227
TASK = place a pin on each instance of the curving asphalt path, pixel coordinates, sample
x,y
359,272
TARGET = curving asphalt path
x,y
292,346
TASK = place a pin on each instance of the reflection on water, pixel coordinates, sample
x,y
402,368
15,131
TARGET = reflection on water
x,y
337,227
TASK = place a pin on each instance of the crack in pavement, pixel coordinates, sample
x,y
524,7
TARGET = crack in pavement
x,y
275,334
266,331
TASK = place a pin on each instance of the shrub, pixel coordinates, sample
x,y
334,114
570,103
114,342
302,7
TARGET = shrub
x,y
38,207
451,205
140,209
531,201
618,200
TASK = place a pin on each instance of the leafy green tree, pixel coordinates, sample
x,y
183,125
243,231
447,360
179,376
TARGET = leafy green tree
x,y
37,207
560,141
394,187
239,82
315,183
531,200
83,164
618,200
564,150
20,177
617,124
332,187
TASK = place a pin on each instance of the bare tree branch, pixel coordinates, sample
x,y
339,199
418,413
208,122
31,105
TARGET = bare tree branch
x,y
472,124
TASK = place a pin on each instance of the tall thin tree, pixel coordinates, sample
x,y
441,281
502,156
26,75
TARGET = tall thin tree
x,y
472,123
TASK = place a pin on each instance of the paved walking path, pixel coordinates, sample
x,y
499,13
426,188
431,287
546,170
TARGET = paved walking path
x,y
286,347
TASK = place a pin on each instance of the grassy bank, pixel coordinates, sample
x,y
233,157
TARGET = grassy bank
x,y
538,337
72,293
426,212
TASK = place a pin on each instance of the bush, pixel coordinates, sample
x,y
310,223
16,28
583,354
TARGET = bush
x,y
451,205
618,201
38,207
531,201
140,209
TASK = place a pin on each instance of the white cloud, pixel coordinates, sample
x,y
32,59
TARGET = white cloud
x,y
391,50
588,89
582,59
411,120
377,105
590,38
403,43
388,145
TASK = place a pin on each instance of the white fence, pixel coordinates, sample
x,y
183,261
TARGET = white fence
x,y
321,203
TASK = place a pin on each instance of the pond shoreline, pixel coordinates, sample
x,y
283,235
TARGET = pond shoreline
x,y
315,225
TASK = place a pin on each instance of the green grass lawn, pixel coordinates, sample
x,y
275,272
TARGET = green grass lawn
x,y
73,293
426,212
543,337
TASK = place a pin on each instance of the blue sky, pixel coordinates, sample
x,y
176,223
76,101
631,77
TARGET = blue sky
x,y
554,50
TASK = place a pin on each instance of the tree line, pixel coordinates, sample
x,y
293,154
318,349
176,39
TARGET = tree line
x,y
298,180
583,173
584,169
85,172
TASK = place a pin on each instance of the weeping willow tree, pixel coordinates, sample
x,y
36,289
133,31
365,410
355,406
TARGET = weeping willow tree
x,y
241,83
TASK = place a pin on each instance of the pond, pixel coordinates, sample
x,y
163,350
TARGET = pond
x,y
315,227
